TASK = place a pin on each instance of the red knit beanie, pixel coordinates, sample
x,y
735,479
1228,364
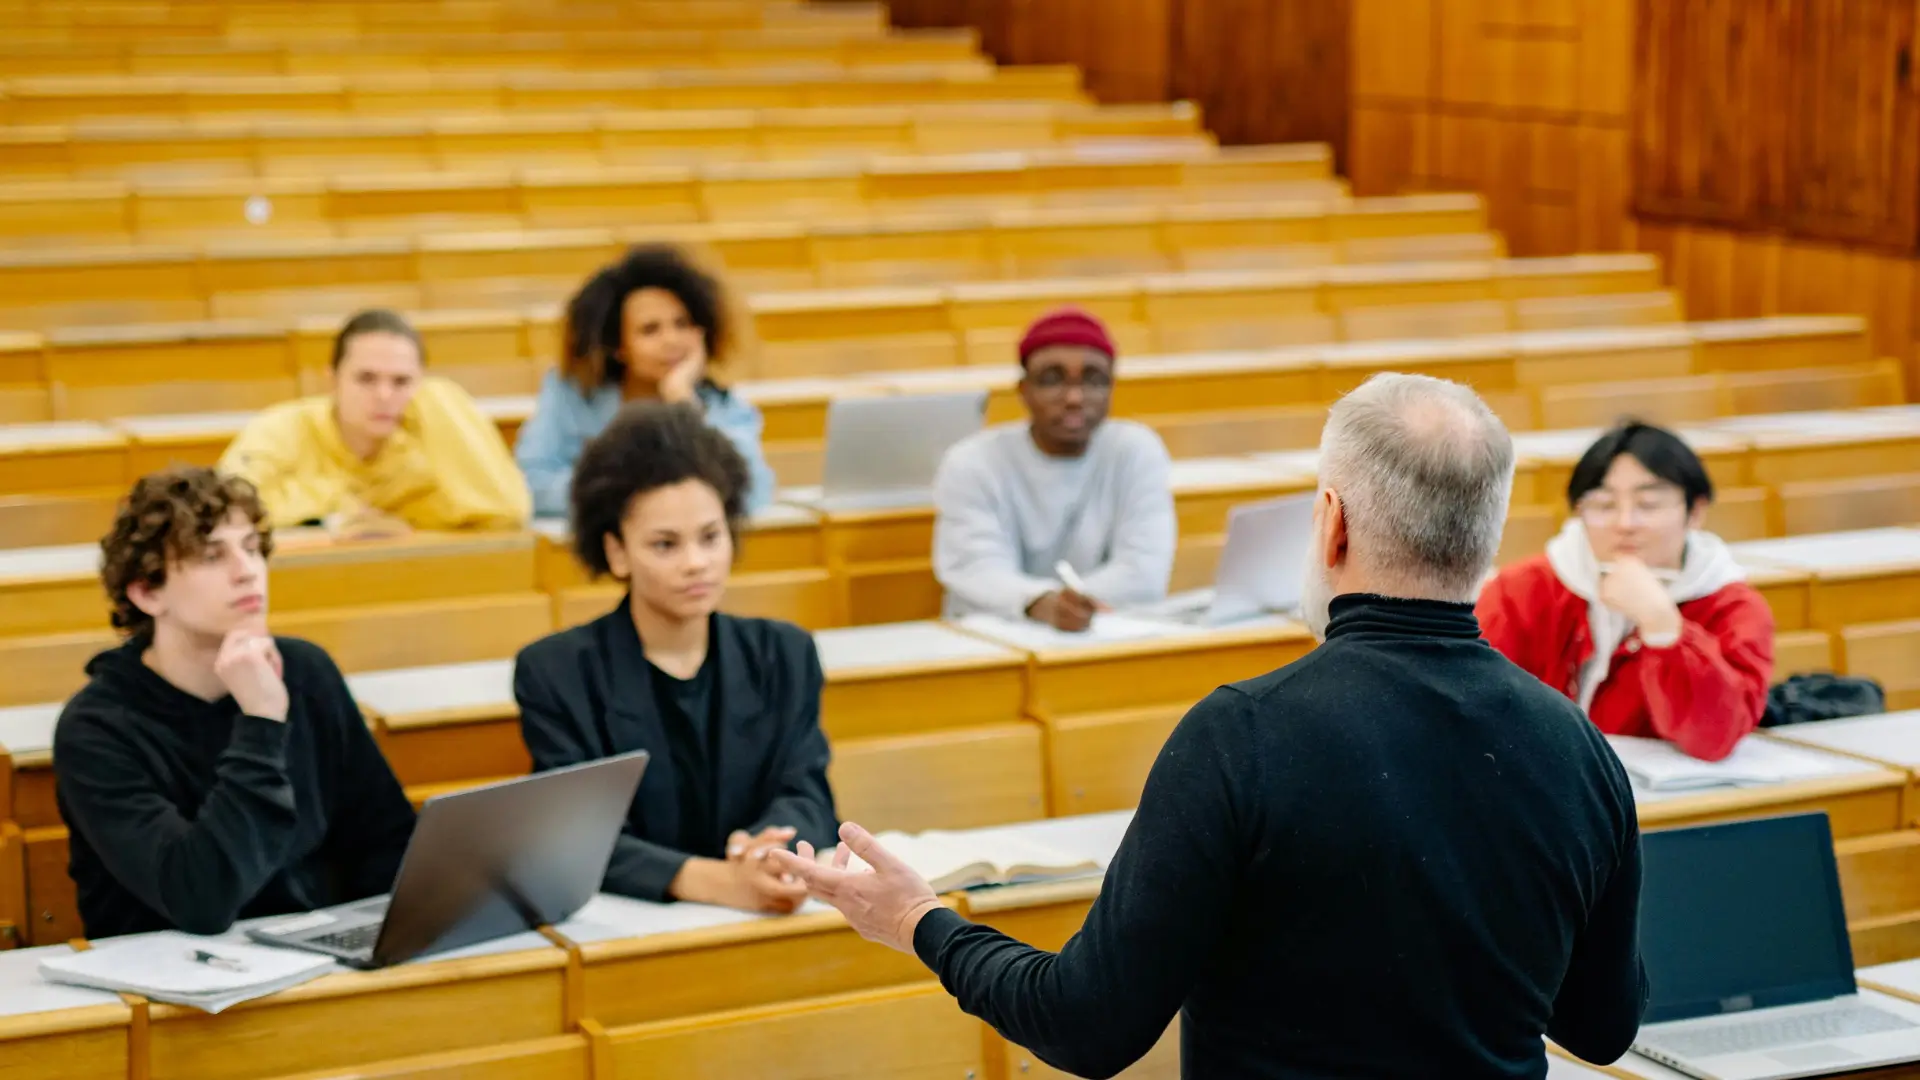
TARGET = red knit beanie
x,y
1066,326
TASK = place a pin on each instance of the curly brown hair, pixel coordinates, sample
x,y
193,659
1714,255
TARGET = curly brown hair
x,y
591,336
650,445
165,519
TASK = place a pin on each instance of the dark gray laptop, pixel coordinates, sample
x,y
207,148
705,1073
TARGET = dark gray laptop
x,y
483,863
1750,968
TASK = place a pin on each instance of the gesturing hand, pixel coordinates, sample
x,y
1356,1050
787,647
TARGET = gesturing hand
x,y
1633,590
249,666
884,903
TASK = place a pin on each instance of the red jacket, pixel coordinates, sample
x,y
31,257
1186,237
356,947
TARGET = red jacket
x,y
1701,694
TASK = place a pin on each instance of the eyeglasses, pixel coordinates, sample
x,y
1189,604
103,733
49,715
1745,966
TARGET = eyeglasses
x,y
1054,381
1605,509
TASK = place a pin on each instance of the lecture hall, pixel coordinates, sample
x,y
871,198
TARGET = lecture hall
x,y
1242,538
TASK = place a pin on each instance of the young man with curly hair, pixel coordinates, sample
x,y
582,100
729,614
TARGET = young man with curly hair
x,y
728,706
209,771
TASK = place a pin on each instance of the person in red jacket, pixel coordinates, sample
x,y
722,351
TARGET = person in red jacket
x,y
1633,610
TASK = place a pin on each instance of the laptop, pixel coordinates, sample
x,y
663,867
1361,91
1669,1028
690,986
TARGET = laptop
x,y
1262,568
1746,949
883,451
483,863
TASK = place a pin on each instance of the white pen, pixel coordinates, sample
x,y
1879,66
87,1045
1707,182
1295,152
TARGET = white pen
x,y
1070,579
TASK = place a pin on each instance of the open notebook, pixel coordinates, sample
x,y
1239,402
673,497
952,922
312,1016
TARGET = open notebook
x,y
1657,765
968,860
207,973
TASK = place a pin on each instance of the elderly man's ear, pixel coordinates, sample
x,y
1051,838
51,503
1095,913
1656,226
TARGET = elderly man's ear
x,y
1330,529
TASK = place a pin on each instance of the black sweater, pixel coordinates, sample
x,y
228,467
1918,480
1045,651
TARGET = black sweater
x,y
187,815
1399,856
589,693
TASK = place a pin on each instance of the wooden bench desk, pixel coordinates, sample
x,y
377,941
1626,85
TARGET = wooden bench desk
x,y
927,728
504,993
1869,576
27,810
1891,740
437,725
1772,344
54,1032
57,590
1861,798
40,903
61,457
644,963
1109,706
1831,445
160,442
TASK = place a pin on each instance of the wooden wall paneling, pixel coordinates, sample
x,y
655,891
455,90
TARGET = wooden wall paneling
x,y
1265,71
1851,150
1606,59
1392,50
1389,149
1707,72
1602,196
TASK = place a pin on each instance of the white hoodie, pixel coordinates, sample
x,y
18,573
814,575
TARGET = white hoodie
x,y
1706,567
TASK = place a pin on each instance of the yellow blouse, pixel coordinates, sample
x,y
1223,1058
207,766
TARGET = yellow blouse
x,y
445,468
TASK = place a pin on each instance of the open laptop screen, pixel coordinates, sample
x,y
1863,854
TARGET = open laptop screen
x,y
1741,916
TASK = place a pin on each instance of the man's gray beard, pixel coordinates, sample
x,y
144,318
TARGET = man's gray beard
x,y
1316,597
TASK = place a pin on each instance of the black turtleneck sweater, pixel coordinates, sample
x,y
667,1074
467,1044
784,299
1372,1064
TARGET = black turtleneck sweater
x,y
1398,856
189,815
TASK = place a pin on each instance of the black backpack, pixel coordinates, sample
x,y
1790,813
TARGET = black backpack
x,y
1806,698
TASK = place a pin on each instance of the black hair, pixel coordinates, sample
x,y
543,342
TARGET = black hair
x,y
1660,451
376,321
648,446
590,348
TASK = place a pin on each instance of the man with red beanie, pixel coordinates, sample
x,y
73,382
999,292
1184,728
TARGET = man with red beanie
x,y
1068,486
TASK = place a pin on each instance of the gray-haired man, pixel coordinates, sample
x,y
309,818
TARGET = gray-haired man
x,y
1398,856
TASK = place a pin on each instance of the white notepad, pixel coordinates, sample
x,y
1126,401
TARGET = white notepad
x,y
1657,765
163,966
1107,628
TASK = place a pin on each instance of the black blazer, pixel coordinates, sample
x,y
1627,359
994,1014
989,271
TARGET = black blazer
x,y
587,693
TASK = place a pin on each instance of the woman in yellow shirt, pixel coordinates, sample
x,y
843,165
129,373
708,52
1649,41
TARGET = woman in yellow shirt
x,y
389,442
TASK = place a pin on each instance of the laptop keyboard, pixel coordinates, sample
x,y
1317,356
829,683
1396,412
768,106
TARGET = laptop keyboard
x,y
1845,1022
360,939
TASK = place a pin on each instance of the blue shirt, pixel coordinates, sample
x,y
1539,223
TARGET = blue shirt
x,y
564,420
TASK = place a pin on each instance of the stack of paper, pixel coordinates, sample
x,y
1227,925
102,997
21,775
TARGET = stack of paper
x,y
1657,765
207,973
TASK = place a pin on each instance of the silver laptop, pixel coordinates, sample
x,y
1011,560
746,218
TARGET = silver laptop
x,y
482,864
1745,943
1262,568
883,451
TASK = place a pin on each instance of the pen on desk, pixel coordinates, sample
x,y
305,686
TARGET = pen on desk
x,y
225,963
1070,579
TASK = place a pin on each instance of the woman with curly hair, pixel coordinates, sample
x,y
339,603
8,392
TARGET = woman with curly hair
x,y
651,327
210,771
728,706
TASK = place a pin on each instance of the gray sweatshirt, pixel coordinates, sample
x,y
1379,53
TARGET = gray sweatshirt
x,y
1007,513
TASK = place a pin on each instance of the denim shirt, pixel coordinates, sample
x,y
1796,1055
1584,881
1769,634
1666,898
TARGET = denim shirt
x,y
564,420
